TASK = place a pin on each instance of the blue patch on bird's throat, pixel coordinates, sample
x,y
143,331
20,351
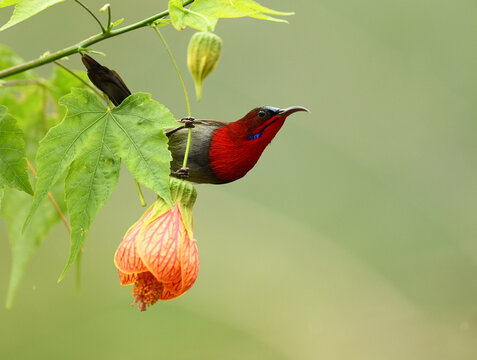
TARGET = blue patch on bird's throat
x,y
255,136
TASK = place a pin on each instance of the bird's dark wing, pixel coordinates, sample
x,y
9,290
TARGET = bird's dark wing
x,y
201,123
108,81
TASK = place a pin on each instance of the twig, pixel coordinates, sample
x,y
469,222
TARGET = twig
x,y
52,199
92,14
26,82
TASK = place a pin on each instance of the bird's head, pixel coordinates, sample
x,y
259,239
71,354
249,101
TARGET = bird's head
x,y
236,148
261,123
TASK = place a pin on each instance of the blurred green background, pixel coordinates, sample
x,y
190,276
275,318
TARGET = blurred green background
x,y
353,238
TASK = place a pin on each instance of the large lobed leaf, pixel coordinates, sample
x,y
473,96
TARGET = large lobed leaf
x,y
25,9
204,14
90,141
13,165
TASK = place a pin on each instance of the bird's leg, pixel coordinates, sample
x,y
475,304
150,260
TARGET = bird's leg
x,y
188,122
182,173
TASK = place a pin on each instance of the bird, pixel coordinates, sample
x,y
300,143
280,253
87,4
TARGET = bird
x,y
220,151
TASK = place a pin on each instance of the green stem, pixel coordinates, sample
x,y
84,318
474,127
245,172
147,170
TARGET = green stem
x,y
189,134
78,271
186,154
26,82
84,44
141,196
177,69
109,19
92,14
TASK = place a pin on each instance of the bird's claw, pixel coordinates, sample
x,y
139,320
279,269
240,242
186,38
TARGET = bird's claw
x,y
182,173
188,122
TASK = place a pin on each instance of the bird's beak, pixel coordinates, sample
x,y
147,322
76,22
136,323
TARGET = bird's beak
x,y
291,110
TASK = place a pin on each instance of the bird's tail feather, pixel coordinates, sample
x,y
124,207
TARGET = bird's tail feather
x,y
106,80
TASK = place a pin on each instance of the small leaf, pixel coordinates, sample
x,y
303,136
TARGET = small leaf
x,y
13,166
212,10
14,209
25,9
90,140
161,22
91,51
117,22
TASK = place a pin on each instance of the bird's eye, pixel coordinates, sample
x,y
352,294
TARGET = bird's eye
x,y
262,114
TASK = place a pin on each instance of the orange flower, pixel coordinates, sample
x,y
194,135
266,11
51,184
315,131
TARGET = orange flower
x,y
159,254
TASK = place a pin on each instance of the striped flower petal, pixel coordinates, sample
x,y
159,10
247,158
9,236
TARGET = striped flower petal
x,y
127,259
159,245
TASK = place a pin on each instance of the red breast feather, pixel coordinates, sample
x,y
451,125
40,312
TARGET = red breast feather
x,y
236,148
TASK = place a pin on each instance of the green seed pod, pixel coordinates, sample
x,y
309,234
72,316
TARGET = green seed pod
x,y
202,56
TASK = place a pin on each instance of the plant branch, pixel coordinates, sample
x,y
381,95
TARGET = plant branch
x,y
92,14
84,44
186,154
25,82
52,199
141,196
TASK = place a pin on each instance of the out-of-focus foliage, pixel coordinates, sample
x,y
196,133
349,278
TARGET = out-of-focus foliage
x,y
13,166
204,14
33,102
25,9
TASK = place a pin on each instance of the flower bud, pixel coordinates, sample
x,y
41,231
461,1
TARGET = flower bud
x,y
202,57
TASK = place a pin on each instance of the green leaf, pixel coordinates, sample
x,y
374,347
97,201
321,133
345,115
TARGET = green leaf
x,y
90,182
6,3
212,10
28,104
13,166
23,246
60,84
117,22
90,140
182,17
25,9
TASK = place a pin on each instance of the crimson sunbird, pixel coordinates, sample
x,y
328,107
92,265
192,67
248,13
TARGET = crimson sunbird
x,y
220,152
